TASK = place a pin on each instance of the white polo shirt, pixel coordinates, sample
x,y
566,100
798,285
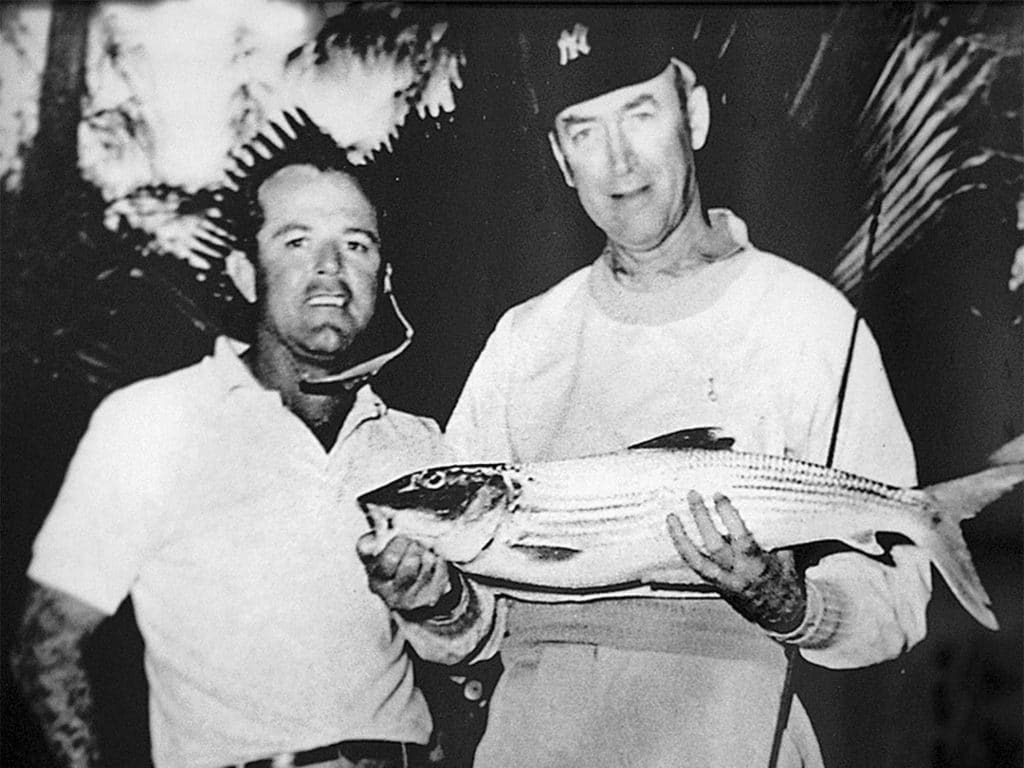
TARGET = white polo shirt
x,y
200,495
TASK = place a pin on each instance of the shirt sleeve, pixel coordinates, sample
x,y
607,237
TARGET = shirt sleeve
x,y
869,610
104,520
478,429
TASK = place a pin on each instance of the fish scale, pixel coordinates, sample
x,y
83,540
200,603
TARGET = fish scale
x,y
593,507
577,529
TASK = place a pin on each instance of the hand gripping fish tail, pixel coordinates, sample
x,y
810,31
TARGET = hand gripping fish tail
x,y
952,502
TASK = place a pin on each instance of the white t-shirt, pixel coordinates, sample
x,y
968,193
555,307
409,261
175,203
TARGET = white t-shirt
x,y
200,495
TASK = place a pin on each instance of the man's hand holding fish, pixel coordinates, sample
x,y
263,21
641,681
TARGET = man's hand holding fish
x,y
409,577
763,587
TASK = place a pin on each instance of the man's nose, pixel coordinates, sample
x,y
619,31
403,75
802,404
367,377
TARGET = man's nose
x,y
328,258
621,157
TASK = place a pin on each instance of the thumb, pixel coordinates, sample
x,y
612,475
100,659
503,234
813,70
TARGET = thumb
x,y
787,558
368,546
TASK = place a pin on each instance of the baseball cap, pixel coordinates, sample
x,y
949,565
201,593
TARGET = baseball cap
x,y
579,52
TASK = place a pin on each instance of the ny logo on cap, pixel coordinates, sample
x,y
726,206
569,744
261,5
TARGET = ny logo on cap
x,y
572,44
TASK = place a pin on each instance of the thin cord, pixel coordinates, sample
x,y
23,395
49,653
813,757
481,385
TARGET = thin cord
x,y
869,250
786,697
785,705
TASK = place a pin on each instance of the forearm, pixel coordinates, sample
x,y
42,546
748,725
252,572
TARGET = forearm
x,y
457,631
47,664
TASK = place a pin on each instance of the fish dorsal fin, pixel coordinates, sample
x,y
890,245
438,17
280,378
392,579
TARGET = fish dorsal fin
x,y
708,438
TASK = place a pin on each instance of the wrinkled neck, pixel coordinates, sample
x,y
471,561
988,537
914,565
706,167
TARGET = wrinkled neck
x,y
682,256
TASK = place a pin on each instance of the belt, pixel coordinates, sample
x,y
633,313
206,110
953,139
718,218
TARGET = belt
x,y
386,753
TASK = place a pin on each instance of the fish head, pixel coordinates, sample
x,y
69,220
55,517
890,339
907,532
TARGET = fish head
x,y
454,510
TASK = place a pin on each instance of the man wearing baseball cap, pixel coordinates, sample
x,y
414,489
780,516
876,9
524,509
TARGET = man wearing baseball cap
x,y
680,322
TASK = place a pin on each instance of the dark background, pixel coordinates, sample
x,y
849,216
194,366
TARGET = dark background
x,y
480,220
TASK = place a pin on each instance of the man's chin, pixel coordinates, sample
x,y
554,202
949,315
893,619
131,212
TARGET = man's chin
x,y
330,353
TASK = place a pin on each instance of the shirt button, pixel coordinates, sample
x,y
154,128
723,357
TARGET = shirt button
x,y
473,690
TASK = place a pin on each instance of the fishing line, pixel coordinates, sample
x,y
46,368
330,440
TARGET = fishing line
x,y
786,697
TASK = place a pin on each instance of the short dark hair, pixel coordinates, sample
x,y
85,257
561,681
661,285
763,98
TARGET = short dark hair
x,y
305,143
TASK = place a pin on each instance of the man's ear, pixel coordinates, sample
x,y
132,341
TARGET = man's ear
x,y
698,110
556,150
242,273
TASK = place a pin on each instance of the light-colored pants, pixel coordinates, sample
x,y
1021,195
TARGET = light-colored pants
x,y
710,704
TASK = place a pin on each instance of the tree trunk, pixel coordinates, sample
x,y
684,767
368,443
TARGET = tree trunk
x,y
51,166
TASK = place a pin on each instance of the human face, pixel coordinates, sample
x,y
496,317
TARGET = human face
x,y
628,155
319,257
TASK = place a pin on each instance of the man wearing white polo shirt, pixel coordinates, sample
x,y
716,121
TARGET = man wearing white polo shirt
x,y
221,498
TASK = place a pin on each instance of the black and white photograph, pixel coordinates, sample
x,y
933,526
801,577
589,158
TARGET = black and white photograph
x,y
511,384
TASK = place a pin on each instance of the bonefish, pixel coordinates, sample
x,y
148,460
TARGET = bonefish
x,y
579,528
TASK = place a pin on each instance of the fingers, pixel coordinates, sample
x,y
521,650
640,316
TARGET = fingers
x,y
380,556
367,546
726,560
704,566
787,558
717,546
410,567
400,562
709,534
405,574
438,583
741,538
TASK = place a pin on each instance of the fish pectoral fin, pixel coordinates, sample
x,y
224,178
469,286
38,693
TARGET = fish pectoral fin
x,y
706,438
546,552
865,542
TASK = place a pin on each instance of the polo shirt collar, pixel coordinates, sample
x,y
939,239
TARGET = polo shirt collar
x,y
227,365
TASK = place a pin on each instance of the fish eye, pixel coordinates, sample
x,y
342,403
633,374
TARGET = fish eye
x,y
433,481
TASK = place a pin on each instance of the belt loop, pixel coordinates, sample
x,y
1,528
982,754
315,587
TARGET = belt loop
x,y
405,756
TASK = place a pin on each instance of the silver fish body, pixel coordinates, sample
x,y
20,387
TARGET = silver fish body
x,y
583,528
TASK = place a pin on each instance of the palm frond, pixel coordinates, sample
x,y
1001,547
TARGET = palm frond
x,y
909,136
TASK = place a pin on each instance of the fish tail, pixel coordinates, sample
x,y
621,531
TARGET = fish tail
x,y
952,502
1011,453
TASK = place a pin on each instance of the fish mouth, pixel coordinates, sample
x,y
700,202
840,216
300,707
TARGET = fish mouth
x,y
445,492
455,511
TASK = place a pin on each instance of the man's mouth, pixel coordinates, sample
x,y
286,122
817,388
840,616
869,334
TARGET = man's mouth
x,y
629,194
328,300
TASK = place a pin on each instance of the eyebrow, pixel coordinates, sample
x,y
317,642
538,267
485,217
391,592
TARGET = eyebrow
x,y
370,234
639,101
569,120
296,227
288,227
